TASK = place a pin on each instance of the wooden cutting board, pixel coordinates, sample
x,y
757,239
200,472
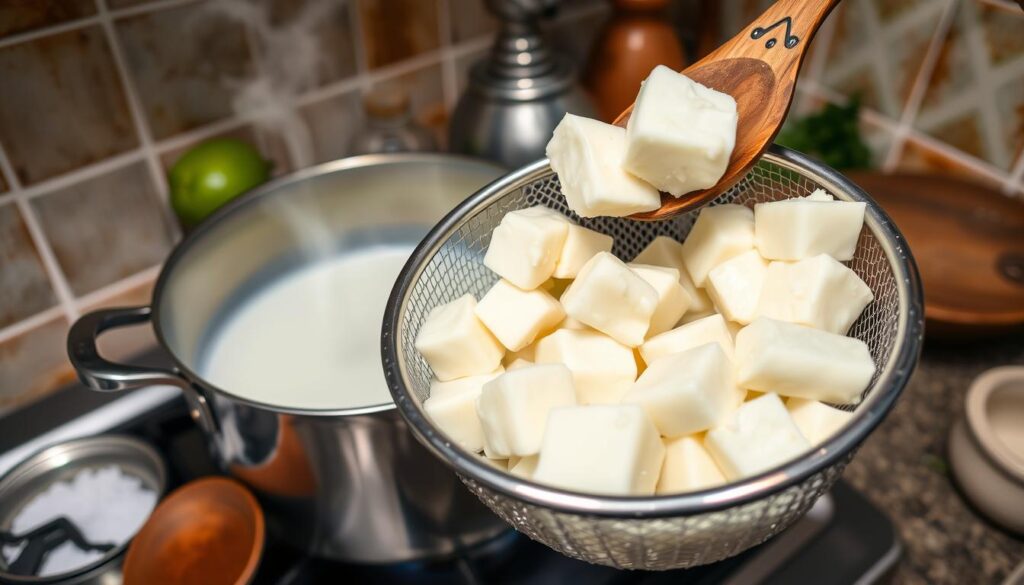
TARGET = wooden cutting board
x,y
968,240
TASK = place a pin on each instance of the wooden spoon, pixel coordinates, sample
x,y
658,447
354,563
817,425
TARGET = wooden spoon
x,y
758,68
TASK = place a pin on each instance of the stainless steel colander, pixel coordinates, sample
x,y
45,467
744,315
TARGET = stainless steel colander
x,y
662,532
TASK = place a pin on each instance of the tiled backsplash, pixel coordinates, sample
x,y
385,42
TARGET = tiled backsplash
x,y
99,97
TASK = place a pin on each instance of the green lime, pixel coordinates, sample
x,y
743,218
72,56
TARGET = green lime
x,y
211,174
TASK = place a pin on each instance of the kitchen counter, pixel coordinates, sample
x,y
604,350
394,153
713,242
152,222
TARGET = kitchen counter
x,y
902,469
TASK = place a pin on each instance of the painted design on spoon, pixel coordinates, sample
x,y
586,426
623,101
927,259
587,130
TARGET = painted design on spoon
x,y
791,39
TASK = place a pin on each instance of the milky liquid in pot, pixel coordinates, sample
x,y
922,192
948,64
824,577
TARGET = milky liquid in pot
x,y
312,339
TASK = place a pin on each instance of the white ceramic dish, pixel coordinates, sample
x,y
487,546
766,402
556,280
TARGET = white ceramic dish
x,y
986,446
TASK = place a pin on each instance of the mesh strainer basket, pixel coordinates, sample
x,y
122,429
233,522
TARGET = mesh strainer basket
x,y
661,532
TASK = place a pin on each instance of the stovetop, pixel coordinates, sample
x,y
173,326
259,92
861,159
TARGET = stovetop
x,y
842,540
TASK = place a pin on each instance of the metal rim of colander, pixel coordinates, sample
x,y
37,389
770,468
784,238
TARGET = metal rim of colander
x,y
885,391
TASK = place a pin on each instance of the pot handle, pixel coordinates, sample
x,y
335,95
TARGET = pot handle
x,y
106,376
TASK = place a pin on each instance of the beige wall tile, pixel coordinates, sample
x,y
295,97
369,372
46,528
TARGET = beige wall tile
x,y
23,15
470,19
62,104
395,30
126,342
24,287
332,123
33,364
106,228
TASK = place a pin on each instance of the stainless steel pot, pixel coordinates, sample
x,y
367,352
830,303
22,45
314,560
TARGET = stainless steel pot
x,y
350,484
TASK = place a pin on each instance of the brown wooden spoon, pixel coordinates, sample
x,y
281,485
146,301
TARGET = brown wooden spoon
x,y
758,68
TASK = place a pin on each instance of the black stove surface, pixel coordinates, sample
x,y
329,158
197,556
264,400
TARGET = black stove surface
x,y
843,541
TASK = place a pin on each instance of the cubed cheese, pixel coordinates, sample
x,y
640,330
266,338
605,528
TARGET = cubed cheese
x,y
819,292
581,244
602,369
611,450
720,232
611,298
455,343
803,227
515,316
664,251
705,330
587,156
817,421
672,298
735,286
451,406
526,245
518,363
760,435
687,392
570,323
680,133
495,462
524,467
688,467
513,408
795,360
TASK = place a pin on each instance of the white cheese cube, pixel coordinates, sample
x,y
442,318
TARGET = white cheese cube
x,y
602,369
611,450
467,384
518,363
672,298
819,195
513,408
688,467
580,245
526,245
720,232
680,133
735,286
587,156
455,414
524,467
794,360
664,251
819,292
760,435
515,316
570,323
710,329
455,343
687,392
817,421
611,298
802,227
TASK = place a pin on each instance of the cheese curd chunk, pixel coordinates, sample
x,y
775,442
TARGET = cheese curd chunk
x,y
664,251
516,317
672,298
455,343
799,228
454,412
687,392
611,450
794,360
688,467
817,421
680,134
819,292
524,467
611,298
580,245
735,286
526,246
760,435
513,408
720,232
696,333
587,156
603,369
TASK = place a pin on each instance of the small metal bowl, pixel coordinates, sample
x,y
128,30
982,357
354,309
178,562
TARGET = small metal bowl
x,y
61,462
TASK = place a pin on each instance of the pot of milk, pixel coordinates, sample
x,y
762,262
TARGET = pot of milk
x,y
271,311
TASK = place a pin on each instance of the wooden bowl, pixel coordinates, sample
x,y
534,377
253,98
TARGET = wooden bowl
x,y
207,532
968,241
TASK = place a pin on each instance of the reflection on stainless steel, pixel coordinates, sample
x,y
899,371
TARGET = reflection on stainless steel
x,y
350,484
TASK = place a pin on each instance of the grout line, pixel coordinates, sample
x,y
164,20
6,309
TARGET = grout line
x,y
449,83
81,174
145,136
29,323
152,6
7,170
917,91
119,287
55,29
364,81
1016,182
202,132
57,279
358,41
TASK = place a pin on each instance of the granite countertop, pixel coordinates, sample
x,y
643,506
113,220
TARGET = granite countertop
x,y
902,469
